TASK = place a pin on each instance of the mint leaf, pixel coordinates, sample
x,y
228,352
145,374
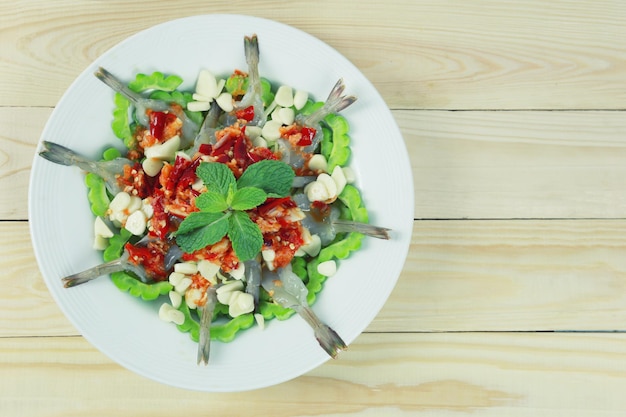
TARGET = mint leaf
x,y
248,198
217,177
244,235
211,202
273,177
201,229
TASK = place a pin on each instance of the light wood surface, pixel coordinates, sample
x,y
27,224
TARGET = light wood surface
x,y
512,301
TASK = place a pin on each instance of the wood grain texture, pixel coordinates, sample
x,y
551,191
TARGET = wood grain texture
x,y
486,374
459,276
479,164
420,54
520,212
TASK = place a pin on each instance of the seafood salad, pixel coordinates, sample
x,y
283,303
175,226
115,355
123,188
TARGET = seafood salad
x,y
232,203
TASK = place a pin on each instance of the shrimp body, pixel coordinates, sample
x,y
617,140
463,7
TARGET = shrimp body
x,y
109,171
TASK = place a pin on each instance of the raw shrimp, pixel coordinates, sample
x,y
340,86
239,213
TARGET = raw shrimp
x,y
288,290
142,105
294,154
326,223
252,276
109,171
116,265
206,317
206,135
254,94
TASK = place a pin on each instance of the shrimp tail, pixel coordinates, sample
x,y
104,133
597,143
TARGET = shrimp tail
x,y
328,339
253,276
109,171
363,228
251,50
206,317
117,86
335,103
115,265
61,155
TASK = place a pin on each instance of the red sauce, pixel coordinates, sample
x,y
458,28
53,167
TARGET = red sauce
x,y
151,257
158,121
246,114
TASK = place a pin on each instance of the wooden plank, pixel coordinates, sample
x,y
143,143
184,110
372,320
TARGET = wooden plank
x,y
419,54
21,130
467,374
459,276
517,164
478,164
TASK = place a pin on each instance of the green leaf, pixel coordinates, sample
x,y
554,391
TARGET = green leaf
x,y
211,202
248,198
244,235
180,98
217,177
121,120
127,283
97,194
338,152
201,229
273,177
156,80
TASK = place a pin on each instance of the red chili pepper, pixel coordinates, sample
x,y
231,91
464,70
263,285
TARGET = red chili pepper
x,y
150,257
308,133
158,121
224,146
160,220
205,149
272,203
258,154
180,166
188,177
240,152
246,114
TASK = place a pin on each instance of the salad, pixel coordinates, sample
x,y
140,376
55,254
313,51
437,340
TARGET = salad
x,y
233,202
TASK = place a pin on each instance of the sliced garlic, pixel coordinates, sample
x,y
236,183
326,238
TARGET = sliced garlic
x,y
318,163
284,96
120,202
152,166
199,105
187,268
136,223
339,178
299,99
175,298
164,151
271,130
225,101
101,229
328,268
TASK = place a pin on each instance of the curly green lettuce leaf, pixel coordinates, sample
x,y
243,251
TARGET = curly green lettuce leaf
x,y
97,194
148,292
336,147
180,98
155,81
237,85
224,332
121,124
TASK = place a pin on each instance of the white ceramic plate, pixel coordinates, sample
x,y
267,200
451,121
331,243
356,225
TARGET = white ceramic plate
x,y
129,330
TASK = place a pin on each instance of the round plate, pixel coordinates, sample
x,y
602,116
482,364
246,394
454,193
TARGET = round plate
x,y
127,329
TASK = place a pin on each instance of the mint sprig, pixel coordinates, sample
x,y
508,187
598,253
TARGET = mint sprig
x,y
223,207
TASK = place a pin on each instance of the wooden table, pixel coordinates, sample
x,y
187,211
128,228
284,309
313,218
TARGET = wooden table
x,y
512,301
